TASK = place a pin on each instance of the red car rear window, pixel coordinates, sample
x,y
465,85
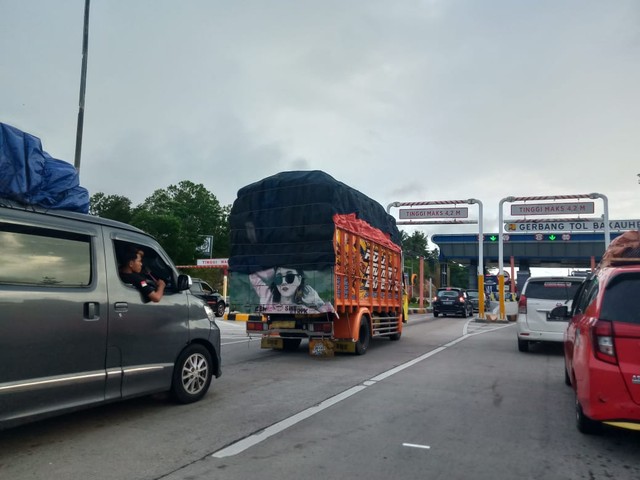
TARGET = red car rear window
x,y
620,302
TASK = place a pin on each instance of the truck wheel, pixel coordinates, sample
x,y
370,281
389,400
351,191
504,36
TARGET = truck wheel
x,y
191,374
364,336
220,308
290,344
395,336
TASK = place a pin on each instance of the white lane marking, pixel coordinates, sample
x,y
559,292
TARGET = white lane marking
x,y
248,442
256,438
427,447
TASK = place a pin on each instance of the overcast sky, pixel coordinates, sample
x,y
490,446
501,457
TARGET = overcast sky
x,y
404,100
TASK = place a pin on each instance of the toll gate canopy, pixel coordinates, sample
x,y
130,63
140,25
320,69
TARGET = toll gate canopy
x,y
546,250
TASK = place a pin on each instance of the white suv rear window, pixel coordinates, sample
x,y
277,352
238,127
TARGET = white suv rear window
x,y
552,289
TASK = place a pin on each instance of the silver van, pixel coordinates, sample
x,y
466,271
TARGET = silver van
x,y
74,335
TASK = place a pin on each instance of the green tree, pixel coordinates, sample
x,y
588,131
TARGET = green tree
x,y
115,207
180,216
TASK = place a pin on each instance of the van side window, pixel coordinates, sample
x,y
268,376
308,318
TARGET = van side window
x,y
44,257
152,264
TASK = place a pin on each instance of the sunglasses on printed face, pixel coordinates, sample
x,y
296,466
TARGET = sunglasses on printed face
x,y
288,278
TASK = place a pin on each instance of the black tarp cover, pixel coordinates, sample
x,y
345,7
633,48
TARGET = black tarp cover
x,y
287,219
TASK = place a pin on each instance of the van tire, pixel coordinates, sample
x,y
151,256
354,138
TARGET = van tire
x,y
364,336
192,374
220,308
523,345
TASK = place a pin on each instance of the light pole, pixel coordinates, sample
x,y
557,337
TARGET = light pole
x,y
83,84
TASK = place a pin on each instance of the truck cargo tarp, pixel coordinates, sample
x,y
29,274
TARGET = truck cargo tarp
x,y
288,219
30,176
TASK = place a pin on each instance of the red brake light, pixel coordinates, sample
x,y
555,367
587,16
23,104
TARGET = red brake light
x,y
257,326
522,304
461,299
603,346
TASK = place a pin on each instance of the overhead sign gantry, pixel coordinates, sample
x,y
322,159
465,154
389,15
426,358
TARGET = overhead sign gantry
x,y
547,208
438,216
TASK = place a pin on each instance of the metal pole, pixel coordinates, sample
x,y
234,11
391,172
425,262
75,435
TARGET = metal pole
x,y
83,84
480,259
501,311
605,204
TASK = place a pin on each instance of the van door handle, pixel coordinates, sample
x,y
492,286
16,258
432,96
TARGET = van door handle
x,y
91,311
121,306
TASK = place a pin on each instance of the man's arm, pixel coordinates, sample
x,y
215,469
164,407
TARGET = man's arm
x,y
156,295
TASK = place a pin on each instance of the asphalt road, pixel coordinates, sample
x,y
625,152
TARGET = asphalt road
x,y
452,399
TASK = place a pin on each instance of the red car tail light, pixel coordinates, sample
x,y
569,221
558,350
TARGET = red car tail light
x,y
522,304
603,346
461,299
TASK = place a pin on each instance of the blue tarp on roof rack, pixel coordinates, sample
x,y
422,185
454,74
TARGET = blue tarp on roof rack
x,y
30,176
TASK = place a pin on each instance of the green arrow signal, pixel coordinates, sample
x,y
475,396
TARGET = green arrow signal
x,y
493,238
552,237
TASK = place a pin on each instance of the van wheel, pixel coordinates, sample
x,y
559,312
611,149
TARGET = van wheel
x,y
585,424
191,374
523,345
220,308
364,337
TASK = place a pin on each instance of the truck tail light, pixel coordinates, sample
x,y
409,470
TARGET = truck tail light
x,y
603,347
522,304
320,327
257,326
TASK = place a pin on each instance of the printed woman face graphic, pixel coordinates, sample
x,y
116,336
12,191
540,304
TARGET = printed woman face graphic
x,y
287,281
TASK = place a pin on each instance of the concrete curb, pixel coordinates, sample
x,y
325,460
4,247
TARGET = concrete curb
x,y
242,317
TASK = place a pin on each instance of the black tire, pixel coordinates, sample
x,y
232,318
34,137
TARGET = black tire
x,y
291,344
567,378
523,345
220,308
396,336
585,424
192,374
435,314
364,337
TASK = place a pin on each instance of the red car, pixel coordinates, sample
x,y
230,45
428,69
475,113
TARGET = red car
x,y
602,348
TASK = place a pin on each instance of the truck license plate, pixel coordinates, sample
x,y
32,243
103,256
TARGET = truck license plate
x,y
284,324
271,342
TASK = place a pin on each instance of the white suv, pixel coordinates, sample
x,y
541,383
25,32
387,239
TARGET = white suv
x,y
539,296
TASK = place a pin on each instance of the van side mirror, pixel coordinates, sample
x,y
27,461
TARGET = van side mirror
x,y
184,282
559,313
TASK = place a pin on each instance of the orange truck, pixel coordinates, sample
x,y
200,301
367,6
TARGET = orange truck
x,y
312,258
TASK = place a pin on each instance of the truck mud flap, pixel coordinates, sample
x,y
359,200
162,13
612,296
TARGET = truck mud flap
x,y
345,346
321,347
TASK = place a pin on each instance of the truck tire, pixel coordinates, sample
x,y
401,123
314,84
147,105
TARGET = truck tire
x,y
395,336
364,336
291,344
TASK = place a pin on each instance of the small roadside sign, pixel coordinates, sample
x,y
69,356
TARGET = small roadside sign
x,y
213,262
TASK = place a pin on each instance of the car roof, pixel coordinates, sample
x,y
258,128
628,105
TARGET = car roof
x,y
9,209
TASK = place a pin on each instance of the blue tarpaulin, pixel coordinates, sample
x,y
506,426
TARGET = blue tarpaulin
x,y
30,176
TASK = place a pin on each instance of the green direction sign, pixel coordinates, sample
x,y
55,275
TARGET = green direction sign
x,y
493,238
552,237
